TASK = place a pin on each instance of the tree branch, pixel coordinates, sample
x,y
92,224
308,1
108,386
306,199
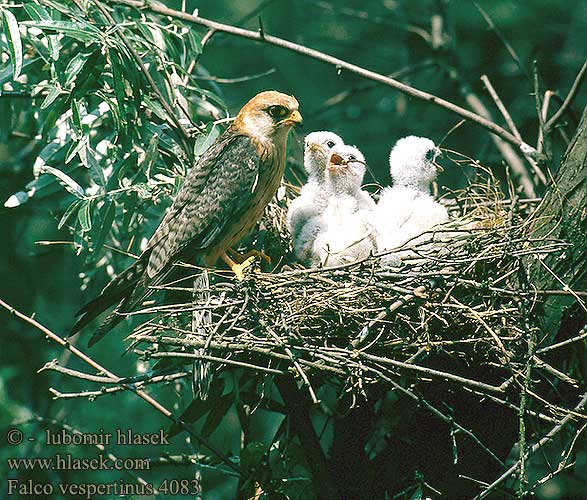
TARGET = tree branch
x,y
98,367
334,61
168,109
569,99
535,447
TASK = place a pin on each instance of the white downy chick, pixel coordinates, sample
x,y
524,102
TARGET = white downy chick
x,y
305,211
345,232
407,209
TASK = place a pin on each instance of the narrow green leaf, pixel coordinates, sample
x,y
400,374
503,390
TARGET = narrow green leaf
x,y
212,97
79,112
195,40
156,108
75,148
63,7
16,199
84,216
10,27
107,213
118,82
54,46
151,156
39,13
145,29
203,142
53,94
177,186
74,67
217,413
69,212
115,111
6,73
45,155
83,32
165,141
96,172
65,180
89,78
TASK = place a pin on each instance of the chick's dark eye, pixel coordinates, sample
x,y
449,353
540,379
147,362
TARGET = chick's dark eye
x,y
352,158
430,155
278,111
330,144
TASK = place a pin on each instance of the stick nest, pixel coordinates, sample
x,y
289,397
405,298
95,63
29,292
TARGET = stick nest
x,y
466,296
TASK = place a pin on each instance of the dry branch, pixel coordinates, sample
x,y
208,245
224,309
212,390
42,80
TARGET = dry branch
x,y
334,61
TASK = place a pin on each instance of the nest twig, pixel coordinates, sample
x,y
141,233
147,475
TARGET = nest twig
x,y
461,295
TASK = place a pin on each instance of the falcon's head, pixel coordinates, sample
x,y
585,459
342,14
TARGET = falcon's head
x,y
345,169
317,147
268,116
412,162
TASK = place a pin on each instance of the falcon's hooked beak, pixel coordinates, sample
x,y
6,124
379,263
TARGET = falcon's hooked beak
x,y
336,162
294,119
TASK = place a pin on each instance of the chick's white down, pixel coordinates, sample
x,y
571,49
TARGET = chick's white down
x,y
305,211
407,209
345,233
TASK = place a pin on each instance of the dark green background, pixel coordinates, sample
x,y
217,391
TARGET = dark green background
x,y
381,35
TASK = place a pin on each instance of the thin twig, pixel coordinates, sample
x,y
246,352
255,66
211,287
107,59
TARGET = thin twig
x,y
510,155
502,39
534,448
297,366
54,366
334,61
169,111
582,335
215,359
140,393
502,109
117,388
569,99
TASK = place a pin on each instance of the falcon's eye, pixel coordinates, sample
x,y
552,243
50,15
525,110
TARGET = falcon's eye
x,y
430,155
278,111
330,144
352,157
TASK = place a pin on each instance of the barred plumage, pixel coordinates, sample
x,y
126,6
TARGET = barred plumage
x,y
222,197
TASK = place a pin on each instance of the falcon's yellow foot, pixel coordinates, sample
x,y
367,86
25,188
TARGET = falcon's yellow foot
x,y
238,269
242,257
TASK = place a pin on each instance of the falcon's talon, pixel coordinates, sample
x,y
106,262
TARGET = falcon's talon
x,y
260,254
239,269
242,257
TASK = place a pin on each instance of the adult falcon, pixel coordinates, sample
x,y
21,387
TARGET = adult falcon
x,y
223,195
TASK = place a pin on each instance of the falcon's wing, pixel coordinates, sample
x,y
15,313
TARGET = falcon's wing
x,y
215,192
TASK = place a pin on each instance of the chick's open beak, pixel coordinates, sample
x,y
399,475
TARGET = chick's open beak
x,y
336,161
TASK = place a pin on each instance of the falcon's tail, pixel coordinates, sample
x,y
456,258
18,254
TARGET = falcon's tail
x,y
117,291
201,321
141,288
